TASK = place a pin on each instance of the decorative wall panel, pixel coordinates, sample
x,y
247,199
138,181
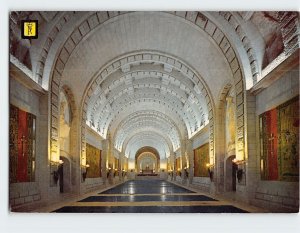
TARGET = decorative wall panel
x,y
22,127
279,142
201,158
93,158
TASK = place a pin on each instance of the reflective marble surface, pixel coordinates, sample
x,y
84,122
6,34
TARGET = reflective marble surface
x,y
133,198
149,196
146,187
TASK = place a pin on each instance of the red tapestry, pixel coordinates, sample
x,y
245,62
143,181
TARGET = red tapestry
x,y
21,145
271,118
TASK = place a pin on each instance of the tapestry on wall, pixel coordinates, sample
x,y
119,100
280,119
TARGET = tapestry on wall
x,y
169,166
22,127
288,147
279,139
93,158
269,136
201,158
116,162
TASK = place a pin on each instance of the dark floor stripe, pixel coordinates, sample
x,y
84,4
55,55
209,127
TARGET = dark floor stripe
x,y
146,198
151,209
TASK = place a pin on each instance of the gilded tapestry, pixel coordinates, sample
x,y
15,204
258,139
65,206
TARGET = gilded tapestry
x,y
201,158
116,167
288,129
279,142
93,158
169,167
22,127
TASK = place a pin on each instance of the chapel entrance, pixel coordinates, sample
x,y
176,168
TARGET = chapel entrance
x,y
230,174
147,162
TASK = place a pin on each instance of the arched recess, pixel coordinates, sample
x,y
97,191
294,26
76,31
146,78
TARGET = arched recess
x,y
221,149
150,150
153,139
71,154
204,23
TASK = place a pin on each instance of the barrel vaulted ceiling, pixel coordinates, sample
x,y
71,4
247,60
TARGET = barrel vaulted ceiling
x,y
147,79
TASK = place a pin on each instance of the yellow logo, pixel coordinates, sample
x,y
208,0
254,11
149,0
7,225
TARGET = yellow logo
x,y
29,29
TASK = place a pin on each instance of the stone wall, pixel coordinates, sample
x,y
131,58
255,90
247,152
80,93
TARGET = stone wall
x,y
92,184
202,183
276,196
29,101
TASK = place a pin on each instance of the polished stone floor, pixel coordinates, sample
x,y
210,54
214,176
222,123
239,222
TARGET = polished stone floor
x,y
149,196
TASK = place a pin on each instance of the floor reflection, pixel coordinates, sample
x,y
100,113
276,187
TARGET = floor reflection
x,y
146,187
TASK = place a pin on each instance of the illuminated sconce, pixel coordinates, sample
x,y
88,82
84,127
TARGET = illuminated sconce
x,y
115,172
58,164
210,170
123,173
108,171
237,161
84,171
186,171
178,172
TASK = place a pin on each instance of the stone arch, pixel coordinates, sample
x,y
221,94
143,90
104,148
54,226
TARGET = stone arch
x,y
144,150
220,135
72,155
196,18
147,149
149,56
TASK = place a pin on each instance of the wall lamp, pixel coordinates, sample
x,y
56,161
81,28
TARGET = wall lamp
x,y
84,171
210,170
186,171
108,171
116,172
238,162
58,164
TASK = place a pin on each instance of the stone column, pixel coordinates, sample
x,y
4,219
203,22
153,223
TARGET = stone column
x,y
104,164
190,157
252,161
183,160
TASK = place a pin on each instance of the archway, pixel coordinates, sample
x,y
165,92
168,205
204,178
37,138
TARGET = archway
x,y
147,161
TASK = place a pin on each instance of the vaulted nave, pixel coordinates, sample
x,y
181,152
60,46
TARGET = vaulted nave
x,y
161,112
